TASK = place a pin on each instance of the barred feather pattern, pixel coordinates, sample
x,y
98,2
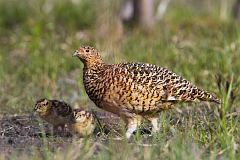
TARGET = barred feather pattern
x,y
135,90
141,88
54,111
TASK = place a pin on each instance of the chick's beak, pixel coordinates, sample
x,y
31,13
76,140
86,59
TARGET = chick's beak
x,y
75,53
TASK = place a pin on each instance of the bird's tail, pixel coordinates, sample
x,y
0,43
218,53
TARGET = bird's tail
x,y
207,96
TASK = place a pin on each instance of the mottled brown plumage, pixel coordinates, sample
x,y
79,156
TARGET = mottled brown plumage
x,y
135,90
55,112
83,124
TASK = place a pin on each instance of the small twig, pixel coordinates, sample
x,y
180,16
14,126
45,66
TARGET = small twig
x,y
98,121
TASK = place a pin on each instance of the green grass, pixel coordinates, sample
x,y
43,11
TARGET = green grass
x,y
37,39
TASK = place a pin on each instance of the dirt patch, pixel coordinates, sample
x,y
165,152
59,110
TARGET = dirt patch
x,y
21,133
26,133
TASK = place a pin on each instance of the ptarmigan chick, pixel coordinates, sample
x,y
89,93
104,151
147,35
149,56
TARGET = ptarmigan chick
x,y
55,112
83,124
135,90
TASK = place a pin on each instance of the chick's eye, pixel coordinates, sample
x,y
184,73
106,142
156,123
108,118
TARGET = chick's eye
x,y
87,50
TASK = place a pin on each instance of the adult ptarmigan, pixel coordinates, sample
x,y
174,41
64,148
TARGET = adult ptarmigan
x,y
135,90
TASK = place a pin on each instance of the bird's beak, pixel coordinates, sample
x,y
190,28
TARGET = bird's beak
x,y
75,53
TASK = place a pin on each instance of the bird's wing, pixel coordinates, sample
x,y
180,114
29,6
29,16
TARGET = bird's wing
x,y
175,87
61,108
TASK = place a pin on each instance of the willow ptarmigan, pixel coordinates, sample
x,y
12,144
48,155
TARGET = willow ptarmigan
x,y
83,124
55,112
135,90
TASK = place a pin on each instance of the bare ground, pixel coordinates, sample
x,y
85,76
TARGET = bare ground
x,y
25,133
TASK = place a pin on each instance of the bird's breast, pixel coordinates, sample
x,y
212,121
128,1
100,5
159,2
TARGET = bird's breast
x,y
94,87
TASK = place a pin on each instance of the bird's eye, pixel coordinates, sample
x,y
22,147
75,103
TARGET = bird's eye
x,y
87,50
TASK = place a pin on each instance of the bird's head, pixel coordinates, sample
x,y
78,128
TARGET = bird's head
x,y
88,55
42,107
82,116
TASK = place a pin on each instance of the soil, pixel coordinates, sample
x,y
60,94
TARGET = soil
x,y
27,133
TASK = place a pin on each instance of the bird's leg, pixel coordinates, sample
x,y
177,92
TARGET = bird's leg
x,y
63,129
59,129
132,124
155,124
130,129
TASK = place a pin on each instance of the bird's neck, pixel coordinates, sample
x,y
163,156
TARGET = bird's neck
x,y
92,77
93,65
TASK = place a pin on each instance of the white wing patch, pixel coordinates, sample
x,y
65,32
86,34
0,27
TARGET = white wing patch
x,y
171,98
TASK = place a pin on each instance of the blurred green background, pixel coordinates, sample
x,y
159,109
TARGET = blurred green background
x,y
196,39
